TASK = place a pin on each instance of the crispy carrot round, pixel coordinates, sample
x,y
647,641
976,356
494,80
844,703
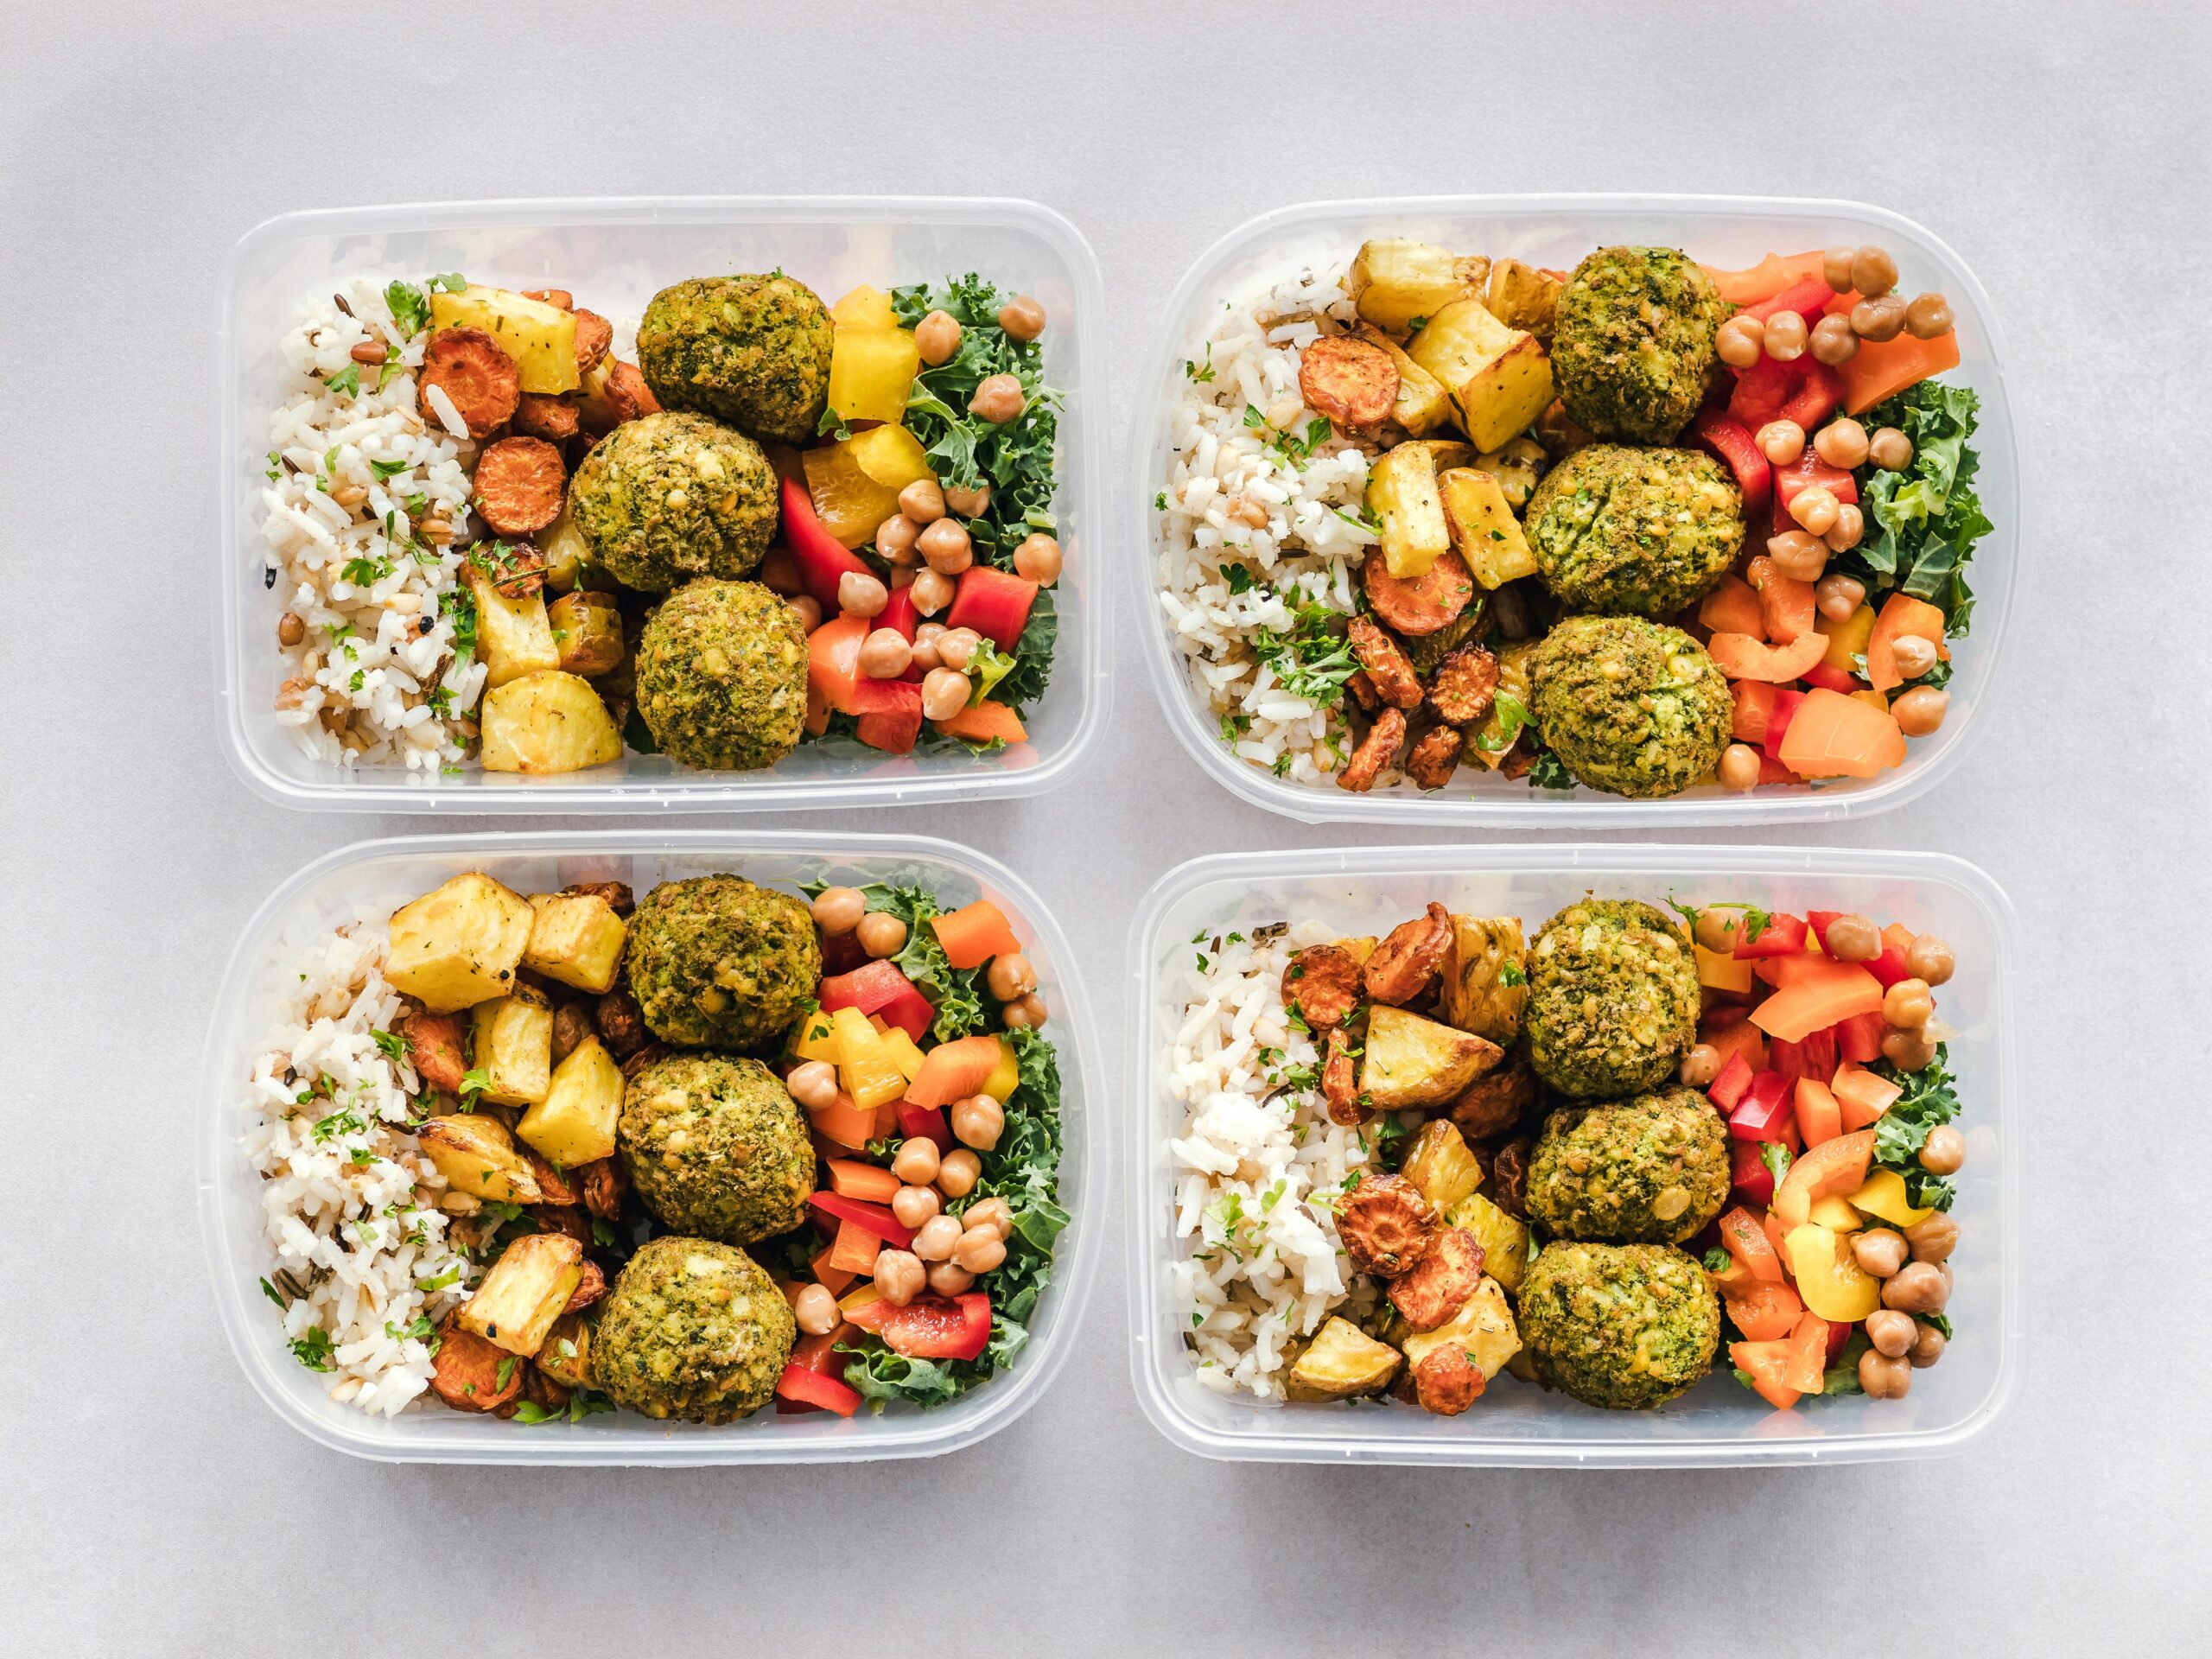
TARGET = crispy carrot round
x,y
482,381
1352,383
519,483
553,419
594,335
1422,604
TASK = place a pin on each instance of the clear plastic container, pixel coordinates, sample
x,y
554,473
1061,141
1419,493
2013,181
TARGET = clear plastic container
x,y
615,254
1368,890
1557,231
394,871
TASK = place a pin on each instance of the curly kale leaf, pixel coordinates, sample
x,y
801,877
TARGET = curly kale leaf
x,y
1922,522
1930,1098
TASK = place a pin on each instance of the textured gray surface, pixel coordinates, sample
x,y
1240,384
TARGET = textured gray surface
x,y
152,1505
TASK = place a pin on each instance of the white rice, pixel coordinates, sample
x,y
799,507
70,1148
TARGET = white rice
x,y
360,688
1310,546
350,1206
1257,1169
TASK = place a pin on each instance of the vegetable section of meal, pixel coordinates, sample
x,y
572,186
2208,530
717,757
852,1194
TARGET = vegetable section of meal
x,y
509,533
1644,525
1605,1156
548,1155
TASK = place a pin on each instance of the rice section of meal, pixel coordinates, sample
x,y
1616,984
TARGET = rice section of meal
x,y
1262,515
1258,1165
364,516
361,1258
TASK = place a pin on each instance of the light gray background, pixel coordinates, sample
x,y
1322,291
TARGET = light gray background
x,y
150,1504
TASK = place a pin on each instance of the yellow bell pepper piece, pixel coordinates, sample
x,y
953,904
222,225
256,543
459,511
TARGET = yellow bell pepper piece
x,y
869,1070
1832,1284
1849,640
871,371
1006,1075
904,1052
1722,973
815,1038
860,1296
1835,1214
855,483
864,308
1884,1197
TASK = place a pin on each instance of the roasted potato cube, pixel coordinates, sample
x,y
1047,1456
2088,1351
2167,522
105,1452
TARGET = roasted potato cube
x,y
1421,404
1499,378
1341,1361
513,1047
548,722
1412,1061
1359,950
1483,527
1493,740
514,636
587,632
1396,282
458,944
1522,296
1516,467
567,554
1504,1240
1401,494
1447,452
574,1123
526,1290
1484,1328
565,1355
1441,1164
1433,1290
1485,976
577,938
540,338
477,1156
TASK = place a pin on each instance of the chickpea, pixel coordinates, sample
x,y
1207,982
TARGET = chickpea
x,y
895,537
916,1160
1944,1150
1880,1252
1908,1051
1873,273
922,501
1921,710
978,1121
1717,928
1786,337
815,1310
1701,1065
944,692
1781,441
957,1175
881,934
885,654
936,337
1884,1377
933,591
947,547
994,1213
1928,1345
1915,655
934,1238
1890,1331
1931,959
1849,529
1890,449
812,1083
1033,1012
1854,938
1738,769
955,648
915,1205
1908,1005
1832,342
979,1251
1798,555
947,1280
861,595
1037,559
1740,342
1917,1287
1927,316
1010,976
808,609
1813,507
1022,318
290,629
839,910
969,504
1839,596
998,399
1877,320
1934,1239
899,1275
1841,442
1835,268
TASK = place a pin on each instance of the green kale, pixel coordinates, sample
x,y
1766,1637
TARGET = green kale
x,y
1929,1098
1921,523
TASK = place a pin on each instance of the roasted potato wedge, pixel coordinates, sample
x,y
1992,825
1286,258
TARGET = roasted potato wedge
x,y
1442,1164
1517,467
587,632
1485,976
1412,1061
1483,1327
458,945
1483,527
1504,1240
1397,283
477,1156
511,1046
1492,741
514,636
526,1290
540,338
1499,378
1423,406
1401,494
1522,296
574,1123
1341,1361
548,722
577,938
565,1355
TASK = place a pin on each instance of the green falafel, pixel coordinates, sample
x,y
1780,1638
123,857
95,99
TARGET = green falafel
x,y
693,1330
716,1148
1649,1170
1638,532
1623,1326
752,350
1632,342
1632,708
1613,999
671,496
721,676
715,961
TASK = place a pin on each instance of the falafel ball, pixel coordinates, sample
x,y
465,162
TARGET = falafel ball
x,y
1649,1170
1633,707
1632,342
1613,1000
715,962
715,1147
1636,533
752,350
1623,1326
693,1330
670,496
721,676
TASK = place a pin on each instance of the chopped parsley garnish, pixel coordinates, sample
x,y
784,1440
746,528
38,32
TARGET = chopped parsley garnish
x,y
365,572
315,1349
1312,660
347,380
390,1044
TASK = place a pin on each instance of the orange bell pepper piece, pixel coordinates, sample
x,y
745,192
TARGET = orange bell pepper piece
x,y
1748,1241
1766,1312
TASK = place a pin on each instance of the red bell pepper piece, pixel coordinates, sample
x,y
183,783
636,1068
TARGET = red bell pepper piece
x,y
869,1218
1891,966
1728,1090
1818,1052
822,559
820,1354
1772,770
1809,299
1769,1106
994,602
930,1327
1817,396
1839,1334
1808,470
1761,391
892,729
883,696
1832,679
1787,1058
899,613
1818,920
926,1123
1719,1016
1732,444
911,1014
869,989
1749,1181
842,953
1783,934
803,1387
1778,721
1858,1039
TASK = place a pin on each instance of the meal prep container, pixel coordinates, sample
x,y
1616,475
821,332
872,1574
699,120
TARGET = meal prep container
x,y
1556,232
1369,890
615,254
390,872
